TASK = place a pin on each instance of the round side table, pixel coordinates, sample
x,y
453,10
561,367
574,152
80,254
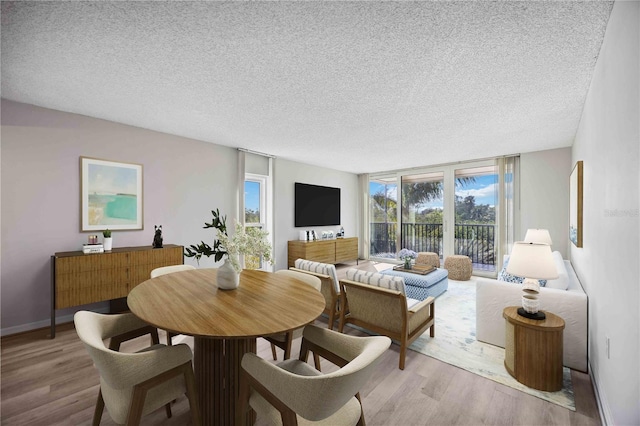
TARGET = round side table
x,y
533,349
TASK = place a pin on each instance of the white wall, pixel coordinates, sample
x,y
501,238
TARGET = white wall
x,y
184,180
544,195
608,141
286,173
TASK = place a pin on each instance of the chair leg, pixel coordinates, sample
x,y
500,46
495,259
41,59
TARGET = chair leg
x,y
136,405
167,408
169,336
273,352
316,361
361,421
403,353
332,318
432,330
288,343
97,412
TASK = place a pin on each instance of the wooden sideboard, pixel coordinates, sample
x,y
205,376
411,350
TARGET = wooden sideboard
x,y
326,251
80,279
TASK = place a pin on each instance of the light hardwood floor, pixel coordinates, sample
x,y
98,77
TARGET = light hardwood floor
x,y
53,382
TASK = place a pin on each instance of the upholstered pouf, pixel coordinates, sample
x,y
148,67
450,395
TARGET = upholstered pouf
x,y
459,267
428,258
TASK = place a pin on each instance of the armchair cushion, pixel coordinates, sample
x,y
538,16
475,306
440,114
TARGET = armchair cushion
x,y
378,280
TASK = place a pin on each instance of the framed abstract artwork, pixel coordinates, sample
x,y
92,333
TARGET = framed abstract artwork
x,y
575,204
110,195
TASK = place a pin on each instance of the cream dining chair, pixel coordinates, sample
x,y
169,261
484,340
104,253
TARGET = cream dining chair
x,y
284,340
134,384
293,392
169,270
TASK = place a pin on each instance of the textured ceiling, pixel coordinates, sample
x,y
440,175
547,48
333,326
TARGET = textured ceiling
x,y
354,86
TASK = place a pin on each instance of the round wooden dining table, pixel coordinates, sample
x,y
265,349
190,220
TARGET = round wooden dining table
x,y
224,323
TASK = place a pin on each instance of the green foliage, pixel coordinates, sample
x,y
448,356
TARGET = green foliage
x,y
251,216
106,233
204,249
383,208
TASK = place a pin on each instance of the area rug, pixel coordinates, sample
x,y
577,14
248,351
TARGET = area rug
x,y
455,343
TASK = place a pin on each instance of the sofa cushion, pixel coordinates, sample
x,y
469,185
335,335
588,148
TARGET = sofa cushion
x,y
562,282
378,280
319,268
507,277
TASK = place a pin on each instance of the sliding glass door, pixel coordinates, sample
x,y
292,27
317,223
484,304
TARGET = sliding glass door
x,y
446,210
422,212
476,200
383,214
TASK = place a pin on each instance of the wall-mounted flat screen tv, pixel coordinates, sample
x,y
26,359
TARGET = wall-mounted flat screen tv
x,y
316,205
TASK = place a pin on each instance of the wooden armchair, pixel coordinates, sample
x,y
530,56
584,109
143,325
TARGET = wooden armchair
x,y
329,285
378,303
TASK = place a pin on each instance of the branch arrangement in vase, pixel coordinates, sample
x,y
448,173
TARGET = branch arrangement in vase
x,y
250,241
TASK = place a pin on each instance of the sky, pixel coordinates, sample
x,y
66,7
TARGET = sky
x,y
483,189
251,195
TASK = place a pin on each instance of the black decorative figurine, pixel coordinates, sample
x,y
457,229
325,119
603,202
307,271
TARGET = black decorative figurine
x,y
157,238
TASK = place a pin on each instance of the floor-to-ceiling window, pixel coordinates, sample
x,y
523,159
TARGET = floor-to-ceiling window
x,y
448,209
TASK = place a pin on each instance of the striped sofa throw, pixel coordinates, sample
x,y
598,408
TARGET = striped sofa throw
x,y
319,268
378,280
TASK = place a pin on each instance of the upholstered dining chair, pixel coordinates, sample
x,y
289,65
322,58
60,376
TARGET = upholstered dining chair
x,y
293,392
285,340
169,270
134,384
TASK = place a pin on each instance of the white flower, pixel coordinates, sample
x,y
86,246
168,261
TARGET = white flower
x,y
250,241
406,254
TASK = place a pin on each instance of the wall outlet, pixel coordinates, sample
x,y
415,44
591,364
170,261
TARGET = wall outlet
x,y
608,347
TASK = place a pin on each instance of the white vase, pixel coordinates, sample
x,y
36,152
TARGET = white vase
x,y
227,277
107,243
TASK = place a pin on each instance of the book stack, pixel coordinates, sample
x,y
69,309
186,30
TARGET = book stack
x,y
92,248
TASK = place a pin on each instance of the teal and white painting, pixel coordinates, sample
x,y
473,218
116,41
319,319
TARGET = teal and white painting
x,y
111,195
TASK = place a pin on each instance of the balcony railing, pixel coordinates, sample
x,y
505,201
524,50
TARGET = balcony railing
x,y
475,241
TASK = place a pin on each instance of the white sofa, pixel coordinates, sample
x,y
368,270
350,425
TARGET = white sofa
x,y
571,305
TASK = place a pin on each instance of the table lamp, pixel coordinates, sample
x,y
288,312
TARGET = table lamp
x,y
538,236
534,262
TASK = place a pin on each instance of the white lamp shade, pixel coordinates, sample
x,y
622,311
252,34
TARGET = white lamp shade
x,y
530,260
538,236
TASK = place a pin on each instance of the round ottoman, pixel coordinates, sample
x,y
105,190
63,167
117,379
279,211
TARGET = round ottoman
x,y
459,267
428,258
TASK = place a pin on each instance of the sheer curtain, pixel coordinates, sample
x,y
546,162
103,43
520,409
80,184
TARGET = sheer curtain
x,y
509,211
363,210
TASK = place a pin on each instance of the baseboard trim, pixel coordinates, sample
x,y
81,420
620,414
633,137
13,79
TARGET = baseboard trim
x,y
606,418
22,328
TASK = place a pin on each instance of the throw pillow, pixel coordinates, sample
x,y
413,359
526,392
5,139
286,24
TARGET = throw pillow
x,y
562,282
507,277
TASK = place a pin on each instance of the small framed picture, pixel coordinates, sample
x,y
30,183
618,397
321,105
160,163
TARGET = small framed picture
x,y
110,195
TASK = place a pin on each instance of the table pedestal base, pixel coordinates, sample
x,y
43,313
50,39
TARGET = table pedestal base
x,y
217,371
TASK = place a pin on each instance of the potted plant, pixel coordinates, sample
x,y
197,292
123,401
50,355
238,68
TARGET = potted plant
x,y
108,241
247,241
